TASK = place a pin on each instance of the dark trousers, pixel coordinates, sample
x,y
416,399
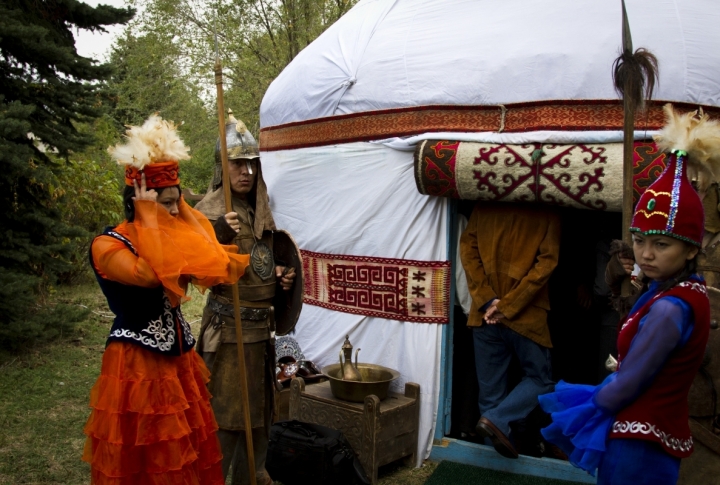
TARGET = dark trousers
x,y
233,445
495,346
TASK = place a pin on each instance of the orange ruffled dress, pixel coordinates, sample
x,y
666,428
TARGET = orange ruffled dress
x,y
151,420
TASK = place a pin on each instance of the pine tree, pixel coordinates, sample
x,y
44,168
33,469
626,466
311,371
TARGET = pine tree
x,y
46,88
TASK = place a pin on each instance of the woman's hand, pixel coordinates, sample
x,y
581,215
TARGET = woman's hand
x,y
232,219
142,193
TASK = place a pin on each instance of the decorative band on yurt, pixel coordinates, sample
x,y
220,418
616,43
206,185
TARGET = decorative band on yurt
x,y
396,289
584,176
562,115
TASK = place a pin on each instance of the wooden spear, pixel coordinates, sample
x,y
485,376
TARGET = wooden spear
x,y
235,290
628,137
634,76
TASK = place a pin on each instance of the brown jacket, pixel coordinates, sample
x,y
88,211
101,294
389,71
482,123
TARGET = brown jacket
x,y
509,253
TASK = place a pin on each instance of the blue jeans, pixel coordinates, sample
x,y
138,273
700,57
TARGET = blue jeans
x,y
495,346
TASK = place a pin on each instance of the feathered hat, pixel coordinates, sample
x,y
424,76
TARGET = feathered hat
x,y
153,149
671,206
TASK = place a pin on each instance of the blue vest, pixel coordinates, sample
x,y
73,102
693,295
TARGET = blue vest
x,y
144,316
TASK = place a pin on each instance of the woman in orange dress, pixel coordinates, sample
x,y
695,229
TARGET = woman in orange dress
x,y
151,420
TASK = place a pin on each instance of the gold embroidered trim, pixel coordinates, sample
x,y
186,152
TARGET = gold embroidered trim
x,y
648,214
653,192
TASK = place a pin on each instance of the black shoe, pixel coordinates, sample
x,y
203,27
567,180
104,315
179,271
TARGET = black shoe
x,y
500,442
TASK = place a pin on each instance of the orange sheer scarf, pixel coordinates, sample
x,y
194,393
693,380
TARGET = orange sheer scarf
x,y
181,248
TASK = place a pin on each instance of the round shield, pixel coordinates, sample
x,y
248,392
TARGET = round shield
x,y
288,304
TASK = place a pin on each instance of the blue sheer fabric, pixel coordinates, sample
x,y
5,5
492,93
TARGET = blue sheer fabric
x,y
582,415
578,427
666,327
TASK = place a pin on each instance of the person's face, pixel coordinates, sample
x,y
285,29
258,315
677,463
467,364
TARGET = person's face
x,y
241,180
169,199
661,257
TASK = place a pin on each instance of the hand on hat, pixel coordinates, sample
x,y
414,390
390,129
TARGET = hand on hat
x,y
142,193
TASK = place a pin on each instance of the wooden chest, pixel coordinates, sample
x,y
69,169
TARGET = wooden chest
x,y
380,432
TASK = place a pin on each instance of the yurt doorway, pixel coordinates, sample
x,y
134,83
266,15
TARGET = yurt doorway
x,y
582,325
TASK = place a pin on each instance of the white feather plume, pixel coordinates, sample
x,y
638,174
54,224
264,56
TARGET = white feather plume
x,y
699,136
155,141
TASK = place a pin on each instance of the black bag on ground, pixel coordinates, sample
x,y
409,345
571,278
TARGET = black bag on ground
x,y
303,453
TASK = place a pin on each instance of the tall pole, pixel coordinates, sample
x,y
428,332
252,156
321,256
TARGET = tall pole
x,y
235,290
628,138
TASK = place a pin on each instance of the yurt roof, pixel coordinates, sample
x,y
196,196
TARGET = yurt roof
x,y
405,54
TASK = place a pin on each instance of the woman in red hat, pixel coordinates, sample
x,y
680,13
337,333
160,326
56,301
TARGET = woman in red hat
x,y
633,428
151,420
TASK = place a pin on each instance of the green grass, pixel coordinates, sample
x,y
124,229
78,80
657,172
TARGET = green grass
x,y
44,396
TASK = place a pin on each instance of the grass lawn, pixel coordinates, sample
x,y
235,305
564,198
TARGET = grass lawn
x,y
44,400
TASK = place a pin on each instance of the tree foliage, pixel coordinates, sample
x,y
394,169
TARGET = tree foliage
x,y
148,79
256,39
46,90
89,188
60,111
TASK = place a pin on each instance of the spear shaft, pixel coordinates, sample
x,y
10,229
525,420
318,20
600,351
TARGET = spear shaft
x,y
235,290
628,139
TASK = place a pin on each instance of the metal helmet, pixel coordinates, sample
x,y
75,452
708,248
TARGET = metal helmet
x,y
240,144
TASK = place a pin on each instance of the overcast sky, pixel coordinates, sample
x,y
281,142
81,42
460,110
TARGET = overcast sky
x,y
97,45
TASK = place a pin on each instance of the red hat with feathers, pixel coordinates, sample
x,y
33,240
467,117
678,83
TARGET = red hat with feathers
x,y
153,149
671,206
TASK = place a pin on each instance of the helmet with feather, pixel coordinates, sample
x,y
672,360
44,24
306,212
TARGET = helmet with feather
x,y
241,144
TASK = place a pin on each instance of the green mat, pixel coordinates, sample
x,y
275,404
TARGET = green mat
x,y
450,473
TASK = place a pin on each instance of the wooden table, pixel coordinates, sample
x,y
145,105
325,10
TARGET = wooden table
x,y
380,432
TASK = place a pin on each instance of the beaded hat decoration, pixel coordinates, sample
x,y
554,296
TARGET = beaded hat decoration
x,y
153,149
671,206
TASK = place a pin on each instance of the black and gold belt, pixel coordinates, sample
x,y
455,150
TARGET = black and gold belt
x,y
254,314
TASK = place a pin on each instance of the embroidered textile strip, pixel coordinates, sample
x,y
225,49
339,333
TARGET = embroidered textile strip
x,y
396,289
582,176
562,115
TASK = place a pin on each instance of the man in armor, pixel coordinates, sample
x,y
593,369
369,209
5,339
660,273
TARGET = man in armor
x,y
250,226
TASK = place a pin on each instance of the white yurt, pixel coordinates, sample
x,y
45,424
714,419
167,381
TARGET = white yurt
x,y
402,106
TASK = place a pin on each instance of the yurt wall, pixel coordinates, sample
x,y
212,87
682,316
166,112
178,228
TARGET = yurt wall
x,y
340,123
360,200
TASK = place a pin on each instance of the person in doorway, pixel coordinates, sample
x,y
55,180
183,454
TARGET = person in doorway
x,y
151,419
509,253
249,226
633,427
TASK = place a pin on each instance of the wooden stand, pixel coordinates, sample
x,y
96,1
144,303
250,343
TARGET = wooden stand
x,y
282,401
380,432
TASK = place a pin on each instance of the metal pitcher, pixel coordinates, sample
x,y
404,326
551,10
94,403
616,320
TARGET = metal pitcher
x,y
347,370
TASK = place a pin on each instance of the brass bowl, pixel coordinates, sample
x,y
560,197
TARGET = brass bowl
x,y
376,380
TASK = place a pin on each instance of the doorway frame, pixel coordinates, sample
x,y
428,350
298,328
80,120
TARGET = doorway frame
x,y
451,449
